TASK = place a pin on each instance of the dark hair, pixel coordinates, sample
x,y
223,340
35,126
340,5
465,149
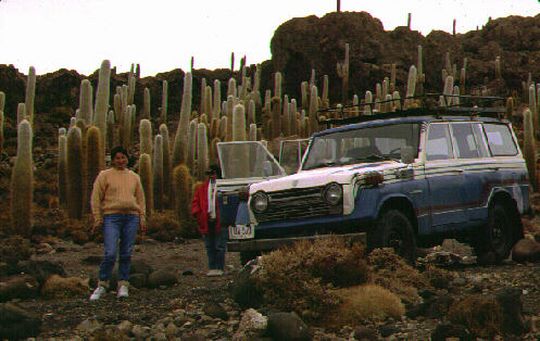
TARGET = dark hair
x,y
119,149
214,169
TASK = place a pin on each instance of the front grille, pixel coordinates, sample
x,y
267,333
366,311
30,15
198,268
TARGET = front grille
x,y
297,203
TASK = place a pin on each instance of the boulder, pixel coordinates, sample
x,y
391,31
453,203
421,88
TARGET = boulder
x,y
287,326
41,269
17,323
161,278
252,325
216,311
18,286
526,250
138,280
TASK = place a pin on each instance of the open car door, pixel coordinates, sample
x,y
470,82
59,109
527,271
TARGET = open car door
x,y
291,153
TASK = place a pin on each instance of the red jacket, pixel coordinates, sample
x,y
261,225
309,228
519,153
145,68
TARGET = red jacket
x,y
199,208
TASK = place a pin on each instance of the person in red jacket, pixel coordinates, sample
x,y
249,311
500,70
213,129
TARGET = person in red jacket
x,y
205,209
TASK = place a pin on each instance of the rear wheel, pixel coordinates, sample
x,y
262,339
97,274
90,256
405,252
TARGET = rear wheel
x,y
394,229
496,236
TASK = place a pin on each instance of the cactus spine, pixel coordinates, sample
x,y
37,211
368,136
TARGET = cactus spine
x,y
75,185
145,172
202,151
182,192
158,173
164,101
180,139
145,137
22,178
30,94
102,102
529,146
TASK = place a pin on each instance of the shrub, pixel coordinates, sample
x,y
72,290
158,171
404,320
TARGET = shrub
x,y
14,249
369,301
482,315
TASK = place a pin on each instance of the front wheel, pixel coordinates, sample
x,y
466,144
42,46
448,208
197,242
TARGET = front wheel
x,y
394,229
496,236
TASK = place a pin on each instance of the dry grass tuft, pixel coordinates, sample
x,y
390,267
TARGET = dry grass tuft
x,y
367,302
60,287
393,273
300,278
164,226
482,315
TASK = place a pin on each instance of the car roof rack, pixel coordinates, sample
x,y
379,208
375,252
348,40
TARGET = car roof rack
x,y
472,106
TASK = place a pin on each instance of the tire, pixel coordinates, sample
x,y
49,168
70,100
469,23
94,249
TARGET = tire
x,y
394,229
497,236
246,256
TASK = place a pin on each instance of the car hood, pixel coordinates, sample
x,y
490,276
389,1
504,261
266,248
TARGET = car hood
x,y
321,176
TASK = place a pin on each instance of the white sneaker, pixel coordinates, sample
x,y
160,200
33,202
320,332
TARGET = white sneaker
x,y
96,295
123,292
214,273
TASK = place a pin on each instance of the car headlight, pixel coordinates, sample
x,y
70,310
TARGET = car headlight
x,y
333,193
259,202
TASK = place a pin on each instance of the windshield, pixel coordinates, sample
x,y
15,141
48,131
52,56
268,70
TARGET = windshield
x,y
361,145
247,159
290,155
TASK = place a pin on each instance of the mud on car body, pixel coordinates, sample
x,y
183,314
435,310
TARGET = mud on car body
x,y
395,182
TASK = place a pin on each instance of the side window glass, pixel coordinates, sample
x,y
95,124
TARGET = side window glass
x,y
480,140
464,141
500,139
438,146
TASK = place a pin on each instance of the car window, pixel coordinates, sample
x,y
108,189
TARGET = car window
x,y
464,141
438,145
480,140
500,139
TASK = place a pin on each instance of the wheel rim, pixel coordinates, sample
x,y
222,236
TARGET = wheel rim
x,y
499,232
396,239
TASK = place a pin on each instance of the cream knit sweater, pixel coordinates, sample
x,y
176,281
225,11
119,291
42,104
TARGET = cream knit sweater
x,y
117,191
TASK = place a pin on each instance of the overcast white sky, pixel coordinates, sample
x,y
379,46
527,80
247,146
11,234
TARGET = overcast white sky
x,y
162,35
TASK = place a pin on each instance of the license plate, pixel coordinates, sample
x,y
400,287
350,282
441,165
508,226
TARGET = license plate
x,y
241,232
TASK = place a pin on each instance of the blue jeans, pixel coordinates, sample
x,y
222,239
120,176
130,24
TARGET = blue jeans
x,y
123,228
216,245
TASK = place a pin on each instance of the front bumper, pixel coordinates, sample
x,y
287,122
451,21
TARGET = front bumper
x,y
274,243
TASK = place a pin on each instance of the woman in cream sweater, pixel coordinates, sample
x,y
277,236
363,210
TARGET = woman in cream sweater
x,y
118,206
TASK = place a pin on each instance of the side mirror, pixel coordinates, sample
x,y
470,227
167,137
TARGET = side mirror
x,y
267,168
408,154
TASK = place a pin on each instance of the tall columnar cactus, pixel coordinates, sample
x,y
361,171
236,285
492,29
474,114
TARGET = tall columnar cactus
x,y
85,102
343,73
75,177
30,94
167,169
216,107
112,136
132,82
231,87
164,101
180,139
22,178
252,132
118,109
420,76
146,103
239,123
285,117
192,146
62,169
158,173
145,137
21,113
94,162
368,100
145,172
202,95
182,184
448,90
510,105
462,80
127,129
411,87
448,63
213,150
102,101
202,151
304,94
293,113
229,111
356,106
276,117
2,101
278,84
251,115
397,100
532,106
529,146
223,133
207,105
325,100
313,108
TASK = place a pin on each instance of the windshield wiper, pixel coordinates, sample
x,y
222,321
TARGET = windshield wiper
x,y
375,157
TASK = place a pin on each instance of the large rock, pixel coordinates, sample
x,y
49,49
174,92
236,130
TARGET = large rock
x,y
41,269
18,286
252,325
162,278
17,323
287,326
526,250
